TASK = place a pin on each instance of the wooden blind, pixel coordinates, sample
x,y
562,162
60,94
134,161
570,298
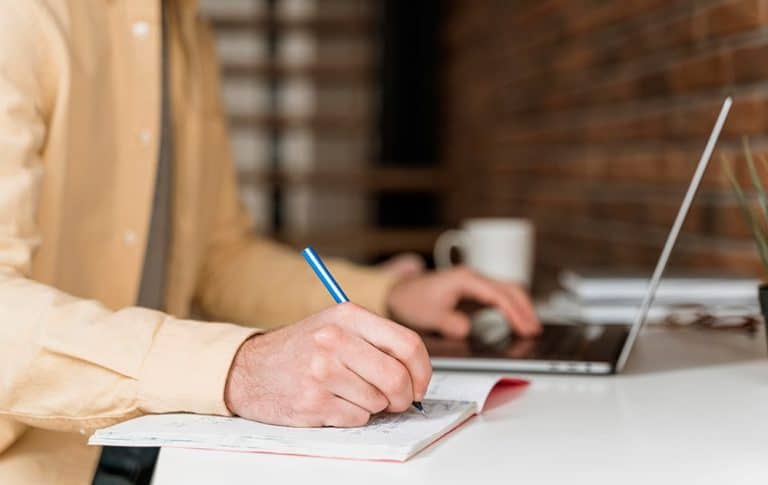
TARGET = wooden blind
x,y
301,90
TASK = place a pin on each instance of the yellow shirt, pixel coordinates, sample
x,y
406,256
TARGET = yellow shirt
x,y
80,88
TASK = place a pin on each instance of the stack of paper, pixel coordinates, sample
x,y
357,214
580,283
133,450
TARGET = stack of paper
x,y
596,286
615,298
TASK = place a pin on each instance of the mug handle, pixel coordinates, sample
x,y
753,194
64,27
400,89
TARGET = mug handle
x,y
452,238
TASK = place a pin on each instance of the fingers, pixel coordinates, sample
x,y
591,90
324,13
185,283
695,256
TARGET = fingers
x,y
397,341
343,414
387,375
520,297
477,287
361,373
488,292
357,389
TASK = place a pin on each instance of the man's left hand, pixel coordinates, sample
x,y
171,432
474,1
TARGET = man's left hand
x,y
429,302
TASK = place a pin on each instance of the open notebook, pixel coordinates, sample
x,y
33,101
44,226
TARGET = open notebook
x,y
450,400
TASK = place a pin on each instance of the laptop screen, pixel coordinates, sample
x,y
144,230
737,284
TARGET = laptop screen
x,y
642,314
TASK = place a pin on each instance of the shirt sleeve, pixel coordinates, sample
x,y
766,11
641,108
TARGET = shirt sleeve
x,y
67,363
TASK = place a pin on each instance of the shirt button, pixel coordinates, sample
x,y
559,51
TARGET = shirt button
x,y
129,238
145,137
140,29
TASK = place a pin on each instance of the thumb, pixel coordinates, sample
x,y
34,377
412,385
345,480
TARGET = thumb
x,y
454,324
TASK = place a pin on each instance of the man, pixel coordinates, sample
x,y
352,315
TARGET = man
x,y
117,189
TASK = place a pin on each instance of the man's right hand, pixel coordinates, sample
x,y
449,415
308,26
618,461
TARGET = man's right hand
x,y
335,368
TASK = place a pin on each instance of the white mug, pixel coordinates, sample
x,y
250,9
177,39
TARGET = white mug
x,y
498,248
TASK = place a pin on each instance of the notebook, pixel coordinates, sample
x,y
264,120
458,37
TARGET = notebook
x,y
451,399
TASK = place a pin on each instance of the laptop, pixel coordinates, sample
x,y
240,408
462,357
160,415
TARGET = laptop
x,y
582,348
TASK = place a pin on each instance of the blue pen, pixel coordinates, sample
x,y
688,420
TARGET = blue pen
x,y
333,287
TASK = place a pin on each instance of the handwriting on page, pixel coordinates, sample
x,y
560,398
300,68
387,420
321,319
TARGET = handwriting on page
x,y
172,424
387,423
386,436
451,398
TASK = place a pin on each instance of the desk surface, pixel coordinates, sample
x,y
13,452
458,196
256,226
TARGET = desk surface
x,y
692,407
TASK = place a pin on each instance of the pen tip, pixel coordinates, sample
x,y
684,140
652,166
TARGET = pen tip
x,y
420,407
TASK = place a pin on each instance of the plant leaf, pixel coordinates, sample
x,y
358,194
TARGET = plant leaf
x,y
762,198
758,234
764,163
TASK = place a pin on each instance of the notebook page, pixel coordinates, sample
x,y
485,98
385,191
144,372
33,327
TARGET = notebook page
x,y
463,386
386,437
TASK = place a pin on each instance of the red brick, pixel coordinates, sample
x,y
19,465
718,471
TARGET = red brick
x,y
589,118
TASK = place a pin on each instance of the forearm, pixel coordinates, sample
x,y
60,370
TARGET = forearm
x,y
256,281
71,364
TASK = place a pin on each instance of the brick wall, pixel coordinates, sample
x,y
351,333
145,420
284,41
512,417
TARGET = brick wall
x,y
589,117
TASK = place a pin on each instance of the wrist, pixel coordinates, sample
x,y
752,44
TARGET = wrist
x,y
237,374
393,302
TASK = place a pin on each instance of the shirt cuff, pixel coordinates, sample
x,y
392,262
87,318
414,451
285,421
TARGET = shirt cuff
x,y
187,366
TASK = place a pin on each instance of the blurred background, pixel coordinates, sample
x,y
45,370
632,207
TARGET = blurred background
x,y
367,127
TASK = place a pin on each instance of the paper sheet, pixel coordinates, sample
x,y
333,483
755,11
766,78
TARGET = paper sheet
x,y
451,399
463,386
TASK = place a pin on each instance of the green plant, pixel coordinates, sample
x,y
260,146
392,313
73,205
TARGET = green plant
x,y
757,219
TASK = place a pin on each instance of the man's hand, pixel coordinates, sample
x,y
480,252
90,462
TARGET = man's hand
x,y
429,302
335,368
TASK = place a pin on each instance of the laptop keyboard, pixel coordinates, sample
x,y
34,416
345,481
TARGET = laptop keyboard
x,y
556,343
560,342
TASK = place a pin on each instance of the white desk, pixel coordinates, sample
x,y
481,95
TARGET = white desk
x,y
691,408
